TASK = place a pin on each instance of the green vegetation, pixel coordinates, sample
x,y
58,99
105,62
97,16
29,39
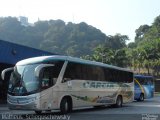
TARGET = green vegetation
x,y
143,55
88,42
145,50
54,36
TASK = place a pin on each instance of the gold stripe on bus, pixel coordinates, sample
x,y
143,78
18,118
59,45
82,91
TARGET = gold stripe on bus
x,y
142,89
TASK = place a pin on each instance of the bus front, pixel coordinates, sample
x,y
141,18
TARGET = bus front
x,y
24,87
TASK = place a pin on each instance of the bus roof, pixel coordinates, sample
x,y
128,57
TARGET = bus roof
x,y
44,59
143,76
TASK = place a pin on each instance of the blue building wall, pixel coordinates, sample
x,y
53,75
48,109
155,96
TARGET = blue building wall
x,y
11,53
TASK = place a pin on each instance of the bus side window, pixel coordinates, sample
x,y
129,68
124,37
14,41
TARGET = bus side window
x,y
47,79
145,81
69,73
108,76
149,81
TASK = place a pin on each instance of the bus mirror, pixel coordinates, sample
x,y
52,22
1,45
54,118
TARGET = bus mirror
x,y
5,71
40,67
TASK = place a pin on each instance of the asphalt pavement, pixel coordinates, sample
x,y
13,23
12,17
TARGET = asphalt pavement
x,y
146,110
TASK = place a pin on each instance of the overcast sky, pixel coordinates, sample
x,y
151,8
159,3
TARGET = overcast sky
x,y
110,16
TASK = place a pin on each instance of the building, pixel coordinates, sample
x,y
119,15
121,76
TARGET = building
x,y
10,54
23,20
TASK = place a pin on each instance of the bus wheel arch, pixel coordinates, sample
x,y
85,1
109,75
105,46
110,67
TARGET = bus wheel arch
x,y
66,104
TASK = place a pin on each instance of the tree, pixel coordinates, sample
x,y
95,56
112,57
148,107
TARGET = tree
x,y
120,58
156,23
118,41
141,31
131,45
11,29
147,47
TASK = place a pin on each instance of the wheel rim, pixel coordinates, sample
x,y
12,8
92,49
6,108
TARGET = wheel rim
x,y
141,97
66,106
119,101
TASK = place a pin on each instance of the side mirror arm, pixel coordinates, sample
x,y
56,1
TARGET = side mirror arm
x,y
4,72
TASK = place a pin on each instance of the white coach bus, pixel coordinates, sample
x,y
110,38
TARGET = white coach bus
x,y
61,82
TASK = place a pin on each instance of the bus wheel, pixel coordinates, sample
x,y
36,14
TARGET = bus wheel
x,y
38,112
141,98
65,106
119,102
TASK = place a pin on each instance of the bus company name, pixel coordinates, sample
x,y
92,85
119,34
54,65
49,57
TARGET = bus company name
x,y
97,85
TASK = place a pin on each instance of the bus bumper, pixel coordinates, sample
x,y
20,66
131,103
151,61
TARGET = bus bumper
x,y
30,102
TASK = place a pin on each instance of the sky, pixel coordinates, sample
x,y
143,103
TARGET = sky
x,y
110,16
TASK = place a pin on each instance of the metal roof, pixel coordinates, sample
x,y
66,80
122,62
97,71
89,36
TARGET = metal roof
x,y
11,53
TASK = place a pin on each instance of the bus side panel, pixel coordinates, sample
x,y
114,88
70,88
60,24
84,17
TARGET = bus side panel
x,y
83,97
148,91
68,89
47,99
92,93
127,92
96,93
137,92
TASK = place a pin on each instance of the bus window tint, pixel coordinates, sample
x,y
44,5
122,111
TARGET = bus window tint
x,y
76,71
47,77
149,81
145,80
50,74
118,76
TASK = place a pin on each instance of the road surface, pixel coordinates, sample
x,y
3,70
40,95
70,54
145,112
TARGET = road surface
x,y
147,110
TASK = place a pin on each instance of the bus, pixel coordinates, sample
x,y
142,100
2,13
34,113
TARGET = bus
x,y
62,82
144,87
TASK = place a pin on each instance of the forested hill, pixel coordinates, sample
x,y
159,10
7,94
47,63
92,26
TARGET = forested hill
x,y
55,36
88,42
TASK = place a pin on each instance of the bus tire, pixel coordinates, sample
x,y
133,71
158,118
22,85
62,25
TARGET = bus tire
x,y
38,111
119,102
141,98
65,106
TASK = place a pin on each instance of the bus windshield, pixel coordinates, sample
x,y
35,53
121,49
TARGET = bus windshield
x,y
23,80
145,80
